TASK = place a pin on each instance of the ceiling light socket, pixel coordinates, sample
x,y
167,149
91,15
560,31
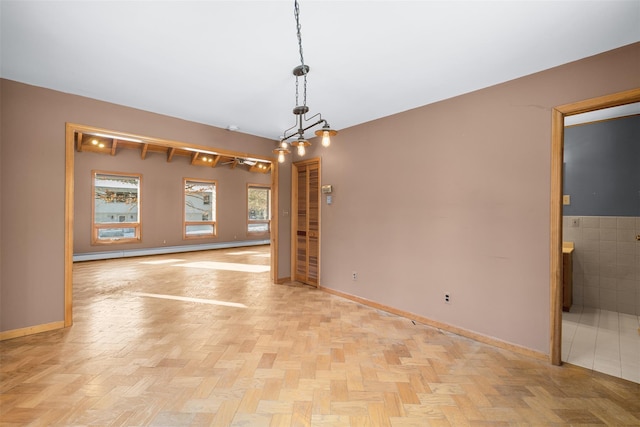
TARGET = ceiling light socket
x,y
301,70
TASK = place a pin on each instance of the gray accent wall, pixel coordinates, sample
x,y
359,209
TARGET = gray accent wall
x,y
602,168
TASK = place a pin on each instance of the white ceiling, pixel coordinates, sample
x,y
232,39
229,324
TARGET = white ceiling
x,y
228,63
603,114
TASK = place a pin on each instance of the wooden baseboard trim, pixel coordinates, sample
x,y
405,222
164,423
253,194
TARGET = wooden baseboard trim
x,y
16,333
283,280
445,327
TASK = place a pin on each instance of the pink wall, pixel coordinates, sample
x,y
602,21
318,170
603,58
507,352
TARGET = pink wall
x,y
450,197
454,197
32,197
161,195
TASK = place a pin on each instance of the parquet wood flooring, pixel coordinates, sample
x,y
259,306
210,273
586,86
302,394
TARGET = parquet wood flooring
x,y
204,338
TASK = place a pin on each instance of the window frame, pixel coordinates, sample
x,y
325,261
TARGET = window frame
x,y
97,226
211,201
260,221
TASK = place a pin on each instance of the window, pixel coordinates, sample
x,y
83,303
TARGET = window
x,y
199,208
258,209
116,208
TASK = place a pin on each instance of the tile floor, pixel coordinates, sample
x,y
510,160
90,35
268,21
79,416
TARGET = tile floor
x,y
601,340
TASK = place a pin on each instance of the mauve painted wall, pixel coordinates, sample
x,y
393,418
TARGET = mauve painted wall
x,y
161,198
33,169
454,197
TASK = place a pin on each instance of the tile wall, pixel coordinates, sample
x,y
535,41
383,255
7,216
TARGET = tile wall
x,y
606,262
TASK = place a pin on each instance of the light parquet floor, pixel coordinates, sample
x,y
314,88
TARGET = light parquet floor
x,y
204,338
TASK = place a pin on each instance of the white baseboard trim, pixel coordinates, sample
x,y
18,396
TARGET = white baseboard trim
x,y
93,256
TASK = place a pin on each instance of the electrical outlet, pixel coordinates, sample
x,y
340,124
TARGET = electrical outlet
x,y
447,298
354,275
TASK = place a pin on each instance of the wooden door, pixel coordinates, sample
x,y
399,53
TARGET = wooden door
x,y
306,221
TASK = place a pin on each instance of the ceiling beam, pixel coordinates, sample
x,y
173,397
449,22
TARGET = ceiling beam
x,y
197,158
194,157
114,145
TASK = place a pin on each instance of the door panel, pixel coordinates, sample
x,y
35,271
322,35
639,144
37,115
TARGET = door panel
x,y
313,225
307,221
301,225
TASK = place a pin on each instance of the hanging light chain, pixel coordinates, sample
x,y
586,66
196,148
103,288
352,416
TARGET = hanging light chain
x,y
300,111
297,92
296,11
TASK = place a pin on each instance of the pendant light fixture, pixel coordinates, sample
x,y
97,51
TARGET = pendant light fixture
x,y
300,110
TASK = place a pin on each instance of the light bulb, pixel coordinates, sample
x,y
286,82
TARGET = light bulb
x,y
301,150
283,144
281,157
326,138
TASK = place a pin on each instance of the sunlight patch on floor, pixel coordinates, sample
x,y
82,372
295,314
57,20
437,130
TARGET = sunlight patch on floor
x,y
189,299
162,261
230,266
243,253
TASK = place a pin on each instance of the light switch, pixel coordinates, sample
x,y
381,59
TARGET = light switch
x,y
329,199
566,199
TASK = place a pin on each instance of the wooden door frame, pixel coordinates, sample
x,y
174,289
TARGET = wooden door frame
x,y
273,231
294,215
557,160
69,197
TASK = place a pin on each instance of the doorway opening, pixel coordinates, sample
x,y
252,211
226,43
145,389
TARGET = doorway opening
x,y
557,160
195,156
601,219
